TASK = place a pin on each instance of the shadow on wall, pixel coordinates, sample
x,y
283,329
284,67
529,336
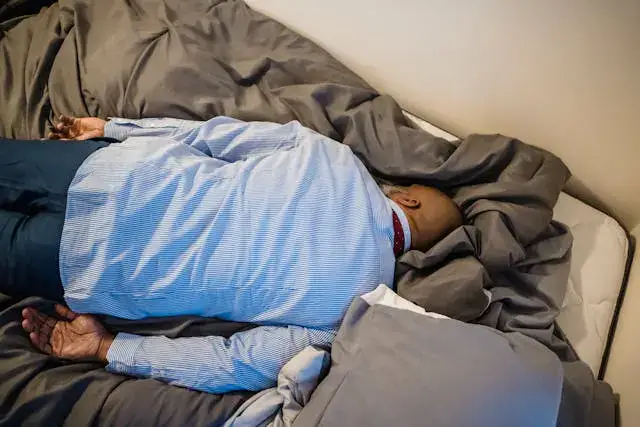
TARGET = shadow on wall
x,y
579,190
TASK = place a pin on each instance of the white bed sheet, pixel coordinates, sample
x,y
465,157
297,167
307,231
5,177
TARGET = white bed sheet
x,y
598,263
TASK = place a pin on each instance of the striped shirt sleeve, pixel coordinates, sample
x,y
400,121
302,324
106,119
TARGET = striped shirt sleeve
x,y
221,137
121,129
249,360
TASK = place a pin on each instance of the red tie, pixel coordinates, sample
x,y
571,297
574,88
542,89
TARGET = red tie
x,y
398,236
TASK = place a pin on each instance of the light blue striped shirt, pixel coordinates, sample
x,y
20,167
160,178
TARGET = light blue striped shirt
x,y
254,222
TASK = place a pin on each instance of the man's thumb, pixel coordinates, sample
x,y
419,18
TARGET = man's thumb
x,y
65,312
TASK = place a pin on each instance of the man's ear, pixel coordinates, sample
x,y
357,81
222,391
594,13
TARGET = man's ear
x,y
406,200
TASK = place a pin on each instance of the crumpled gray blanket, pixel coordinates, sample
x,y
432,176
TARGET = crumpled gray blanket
x,y
198,59
396,364
450,373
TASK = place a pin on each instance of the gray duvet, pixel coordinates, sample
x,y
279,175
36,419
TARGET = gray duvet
x,y
198,59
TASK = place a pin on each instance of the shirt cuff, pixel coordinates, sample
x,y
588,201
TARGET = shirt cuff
x,y
122,353
112,129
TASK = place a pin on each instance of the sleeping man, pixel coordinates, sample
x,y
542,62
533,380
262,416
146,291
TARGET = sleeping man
x,y
254,222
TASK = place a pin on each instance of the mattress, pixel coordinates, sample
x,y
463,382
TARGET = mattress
x,y
598,271
598,268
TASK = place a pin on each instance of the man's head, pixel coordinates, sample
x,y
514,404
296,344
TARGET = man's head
x,y
431,214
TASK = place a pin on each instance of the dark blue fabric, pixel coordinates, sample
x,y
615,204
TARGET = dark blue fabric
x,y
34,178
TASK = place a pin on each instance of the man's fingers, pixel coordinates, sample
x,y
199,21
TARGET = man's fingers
x,y
27,325
35,340
40,327
67,120
47,349
42,318
44,338
64,128
65,312
50,322
37,322
45,331
42,322
47,326
26,312
56,133
33,321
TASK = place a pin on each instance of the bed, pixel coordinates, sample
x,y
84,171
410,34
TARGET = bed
x,y
506,269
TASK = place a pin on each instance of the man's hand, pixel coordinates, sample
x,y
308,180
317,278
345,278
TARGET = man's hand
x,y
78,336
78,129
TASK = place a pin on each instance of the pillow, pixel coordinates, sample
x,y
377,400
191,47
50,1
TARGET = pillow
x,y
397,366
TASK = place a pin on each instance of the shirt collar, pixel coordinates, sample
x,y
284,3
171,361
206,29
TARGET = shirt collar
x,y
404,222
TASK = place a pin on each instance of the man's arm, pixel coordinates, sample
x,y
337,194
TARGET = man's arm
x,y
220,137
83,128
249,360
121,128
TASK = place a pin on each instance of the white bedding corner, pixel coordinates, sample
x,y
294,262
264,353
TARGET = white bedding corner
x,y
598,263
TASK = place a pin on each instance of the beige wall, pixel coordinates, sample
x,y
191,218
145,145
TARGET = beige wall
x,y
564,75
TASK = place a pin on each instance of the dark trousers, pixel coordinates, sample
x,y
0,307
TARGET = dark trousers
x,y
34,180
